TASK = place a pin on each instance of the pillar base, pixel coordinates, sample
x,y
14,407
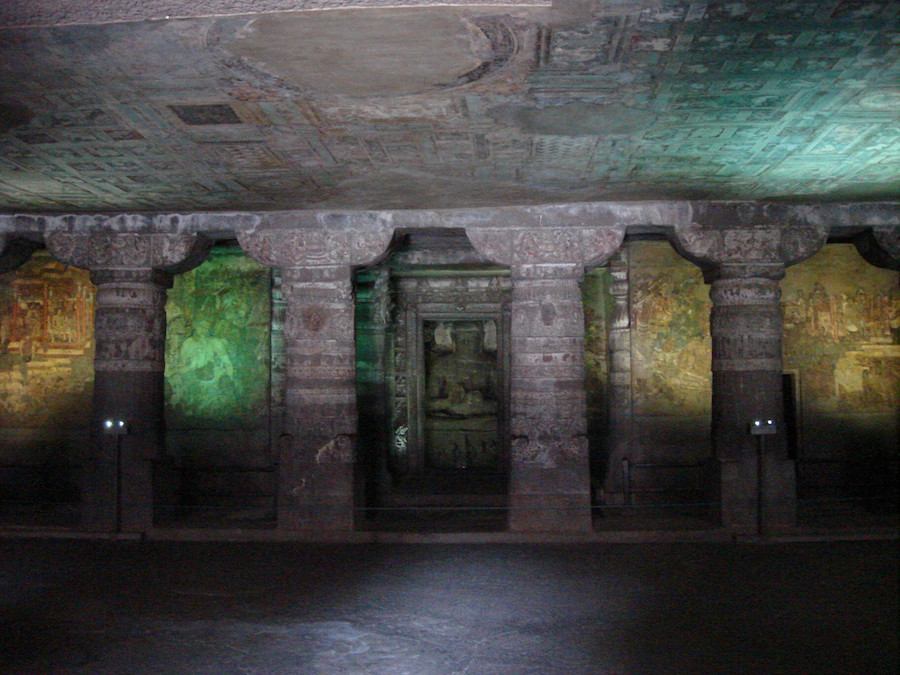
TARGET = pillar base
x,y
318,499
549,500
739,490
117,493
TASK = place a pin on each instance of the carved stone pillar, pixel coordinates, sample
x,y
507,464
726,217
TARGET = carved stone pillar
x,y
549,472
752,475
318,448
132,272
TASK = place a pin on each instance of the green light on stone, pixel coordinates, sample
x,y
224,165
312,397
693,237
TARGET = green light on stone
x,y
218,344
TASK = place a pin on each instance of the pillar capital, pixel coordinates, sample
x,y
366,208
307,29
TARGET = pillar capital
x,y
316,247
746,250
128,250
556,252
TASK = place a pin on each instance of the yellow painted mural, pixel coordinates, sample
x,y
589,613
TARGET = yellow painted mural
x,y
842,338
46,345
670,333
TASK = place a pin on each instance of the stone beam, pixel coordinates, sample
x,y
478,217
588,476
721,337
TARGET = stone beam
x,y
641,217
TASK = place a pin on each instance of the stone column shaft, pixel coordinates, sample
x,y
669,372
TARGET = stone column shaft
x,y
549,470
619,389
130,324
316,470
318,449
549,475
752,477
132,272
746,327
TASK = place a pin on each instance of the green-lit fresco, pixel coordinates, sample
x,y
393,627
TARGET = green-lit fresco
x,y
842,340
218,345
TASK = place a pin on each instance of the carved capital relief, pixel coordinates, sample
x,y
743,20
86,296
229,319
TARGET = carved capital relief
x,y
549,251
132,272
310,248
748,250
165,252
746,324
316,278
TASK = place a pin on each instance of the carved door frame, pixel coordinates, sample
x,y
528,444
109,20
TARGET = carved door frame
x,y
415,306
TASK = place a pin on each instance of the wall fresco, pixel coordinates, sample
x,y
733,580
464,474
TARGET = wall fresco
x,y
670,333
46,346
842,338
218,345
597,312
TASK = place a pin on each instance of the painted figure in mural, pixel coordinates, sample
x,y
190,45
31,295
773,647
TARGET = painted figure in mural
x,y
204,359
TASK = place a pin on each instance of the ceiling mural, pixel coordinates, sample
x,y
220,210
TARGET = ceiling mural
x,y
454,106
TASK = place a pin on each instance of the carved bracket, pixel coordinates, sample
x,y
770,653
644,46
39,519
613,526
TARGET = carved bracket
x,y
575,246
164,252
308,248
752,247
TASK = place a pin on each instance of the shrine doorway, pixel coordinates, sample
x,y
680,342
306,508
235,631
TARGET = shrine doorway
x,y
439,316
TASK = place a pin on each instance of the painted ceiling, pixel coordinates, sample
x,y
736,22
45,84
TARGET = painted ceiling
x,y
465,105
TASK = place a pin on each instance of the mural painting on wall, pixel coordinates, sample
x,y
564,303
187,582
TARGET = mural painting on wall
x,y
462,394
671,345
597,303
842,331
218,344
46,345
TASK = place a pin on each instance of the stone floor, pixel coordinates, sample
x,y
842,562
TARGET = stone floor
x,y
92,606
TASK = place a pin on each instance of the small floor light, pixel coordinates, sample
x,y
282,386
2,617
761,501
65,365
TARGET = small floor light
x,y
115,427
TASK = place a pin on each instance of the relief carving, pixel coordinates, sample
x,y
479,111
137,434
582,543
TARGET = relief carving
x,y
547,452
103,250
745,292
301,248
762,244
339,450
546,245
